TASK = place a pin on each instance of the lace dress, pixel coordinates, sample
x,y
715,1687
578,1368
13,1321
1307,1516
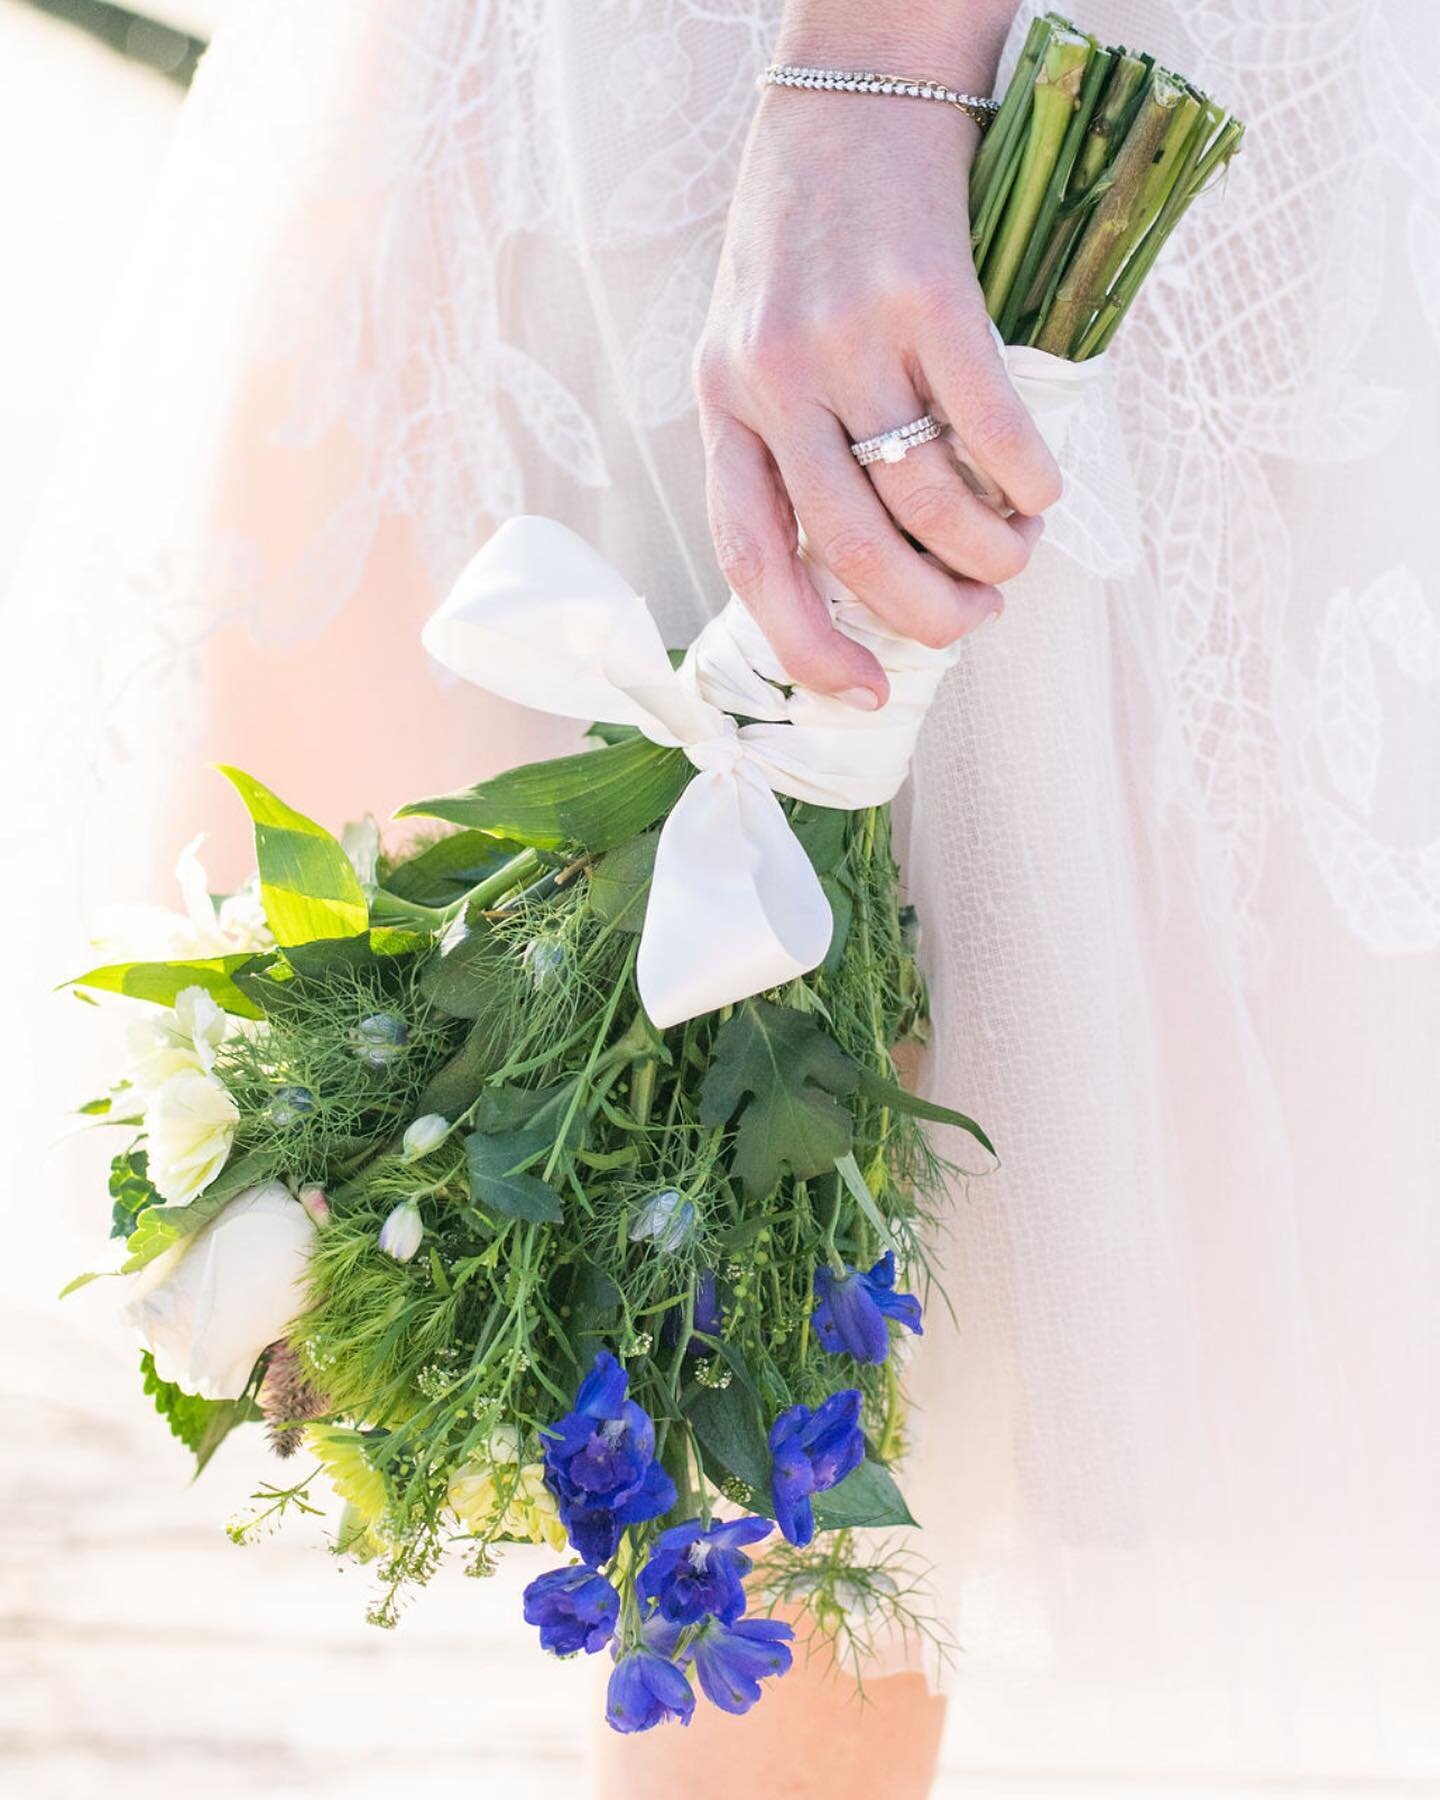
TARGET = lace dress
x,y
1175,832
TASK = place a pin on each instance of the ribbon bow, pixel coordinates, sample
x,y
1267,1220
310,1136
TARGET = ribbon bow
x,y
735,905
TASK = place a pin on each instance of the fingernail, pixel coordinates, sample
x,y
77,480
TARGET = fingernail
x,y
862,699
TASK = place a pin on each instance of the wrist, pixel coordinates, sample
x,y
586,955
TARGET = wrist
x,y
927,42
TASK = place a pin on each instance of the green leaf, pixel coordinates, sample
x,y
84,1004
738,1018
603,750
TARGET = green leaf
x,y
373,950
201,1425
620,883
865,1200
447,869
309,888
161,1227
898,1099
782,1074
821,830
163,982
842,911
867,1496
498,1182
455,1085
131,1191
728,1425
462,982
595,800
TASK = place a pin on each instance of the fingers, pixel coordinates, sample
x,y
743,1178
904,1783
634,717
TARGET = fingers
x,y
849,530
927,497
753,526
964,373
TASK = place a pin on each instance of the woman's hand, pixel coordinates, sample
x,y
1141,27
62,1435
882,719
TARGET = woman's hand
x,y
847,304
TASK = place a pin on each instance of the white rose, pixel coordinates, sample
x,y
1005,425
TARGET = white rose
x,y
189,1128
207,1308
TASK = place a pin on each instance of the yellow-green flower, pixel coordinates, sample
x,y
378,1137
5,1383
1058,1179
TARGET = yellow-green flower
x,y
341,1454
496,1495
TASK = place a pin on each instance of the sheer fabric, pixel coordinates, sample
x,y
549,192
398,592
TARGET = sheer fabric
x,y
1175,831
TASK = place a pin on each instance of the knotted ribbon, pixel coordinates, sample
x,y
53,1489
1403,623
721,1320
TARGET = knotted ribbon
x,y
735,905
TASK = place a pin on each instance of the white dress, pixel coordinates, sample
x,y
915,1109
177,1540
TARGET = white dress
x,y
1176,822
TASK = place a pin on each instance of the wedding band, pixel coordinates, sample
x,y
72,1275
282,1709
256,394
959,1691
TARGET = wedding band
x,y
893,446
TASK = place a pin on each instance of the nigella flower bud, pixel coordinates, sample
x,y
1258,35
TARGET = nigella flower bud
x,y
379,1039
424,1135
666,1218
288,1105
315,1202
545,959
401,1233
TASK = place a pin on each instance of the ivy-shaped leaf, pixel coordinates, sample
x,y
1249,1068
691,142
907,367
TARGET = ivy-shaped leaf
x,y
782,1075
131,1190
201,1425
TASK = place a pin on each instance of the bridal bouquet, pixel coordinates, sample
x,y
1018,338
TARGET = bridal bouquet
x,y
548,1179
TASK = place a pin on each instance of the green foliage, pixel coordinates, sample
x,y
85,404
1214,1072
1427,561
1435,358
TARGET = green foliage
x,y
309,888
131,1191
498,1180
782,1074
595,800
620,883
446,870
899,1099
201,1425
163,982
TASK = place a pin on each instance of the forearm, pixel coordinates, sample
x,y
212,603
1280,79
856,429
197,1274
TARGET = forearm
x,y
958,41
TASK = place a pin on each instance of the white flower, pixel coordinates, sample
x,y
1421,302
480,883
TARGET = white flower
x,y
207,1308
189,1128
163,1044
360,840
401,1233
204,928
424,1135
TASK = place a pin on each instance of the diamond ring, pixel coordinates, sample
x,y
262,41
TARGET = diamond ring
x,y
892,446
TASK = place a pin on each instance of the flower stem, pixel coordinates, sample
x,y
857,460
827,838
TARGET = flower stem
x,y
1053,229
1055,98
1116,221
998,158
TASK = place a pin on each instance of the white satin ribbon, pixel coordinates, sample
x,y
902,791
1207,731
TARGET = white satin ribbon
x,y
735,906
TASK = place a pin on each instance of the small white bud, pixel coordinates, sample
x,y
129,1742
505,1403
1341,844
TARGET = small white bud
x,y
424,1135
314,1201
401,1233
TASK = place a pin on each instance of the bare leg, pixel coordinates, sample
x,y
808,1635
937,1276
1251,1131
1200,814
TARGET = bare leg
x,y
808,1736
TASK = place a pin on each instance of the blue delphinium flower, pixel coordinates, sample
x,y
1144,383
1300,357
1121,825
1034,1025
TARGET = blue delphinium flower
x,y
852,1309
576,1609
600,1463
692,1571
732,1660
811,1452
645,1689
707,1315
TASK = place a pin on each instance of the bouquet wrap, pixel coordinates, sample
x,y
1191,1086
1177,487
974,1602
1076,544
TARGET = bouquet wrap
x,y
735,905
